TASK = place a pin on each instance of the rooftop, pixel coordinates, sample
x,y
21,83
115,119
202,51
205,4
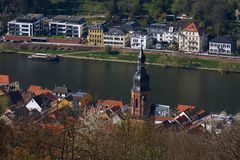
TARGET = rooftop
x,y
110,103
116,31
69,19
193,27
29,18
61,89
97,25
4,79
223,39
183,108
37,90
79,94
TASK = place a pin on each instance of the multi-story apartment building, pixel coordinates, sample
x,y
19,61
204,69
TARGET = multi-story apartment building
x,y
95,33
192,39
222,45
139,39
169,35
157,28
26,25
116,37
68,26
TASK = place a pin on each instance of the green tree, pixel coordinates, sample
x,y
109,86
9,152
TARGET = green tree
x,y
181,6
108,49
4,103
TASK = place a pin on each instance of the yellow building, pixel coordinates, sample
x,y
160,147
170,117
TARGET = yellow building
x,y
95,34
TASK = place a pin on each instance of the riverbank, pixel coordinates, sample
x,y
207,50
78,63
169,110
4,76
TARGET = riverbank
x,y
162,60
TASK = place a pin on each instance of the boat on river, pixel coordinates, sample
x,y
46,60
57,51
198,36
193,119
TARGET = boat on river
x,y
43,57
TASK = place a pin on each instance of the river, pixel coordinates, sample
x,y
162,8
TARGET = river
x,y
111,80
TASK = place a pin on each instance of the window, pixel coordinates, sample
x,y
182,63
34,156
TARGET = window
x,y
136,103
25,30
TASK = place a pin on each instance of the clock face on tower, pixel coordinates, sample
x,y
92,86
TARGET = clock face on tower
x,y
141,90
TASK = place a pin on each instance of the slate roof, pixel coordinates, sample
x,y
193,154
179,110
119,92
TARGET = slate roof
x,y
79,94
223,39
29,18
61,89
69,19
44,100
15,97
116,31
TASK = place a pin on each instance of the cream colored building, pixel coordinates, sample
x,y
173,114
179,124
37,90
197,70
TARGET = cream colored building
x,y
116,38
192,39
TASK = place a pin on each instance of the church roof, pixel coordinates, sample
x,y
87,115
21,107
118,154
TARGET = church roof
x,y
141,78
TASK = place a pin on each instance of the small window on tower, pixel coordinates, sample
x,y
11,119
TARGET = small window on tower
x,y
136,103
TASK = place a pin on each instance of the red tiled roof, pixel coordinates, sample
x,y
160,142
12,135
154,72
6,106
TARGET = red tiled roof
x,y
183,108
37,90
193,27
4,79
110,103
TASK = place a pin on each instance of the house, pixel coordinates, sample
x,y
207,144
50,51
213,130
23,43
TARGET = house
x,y
41,102
130,27
95,33
159,119
157,28
192,39
162,110
14,86
16,98
33,104
81,100
107,104
189,115
37,90
26,25
68,26
4,80
182,108
223,45
18,113
61,92
116,37
170,35
114,114
139,39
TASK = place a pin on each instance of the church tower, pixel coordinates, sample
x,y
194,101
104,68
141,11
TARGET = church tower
x,y
140,92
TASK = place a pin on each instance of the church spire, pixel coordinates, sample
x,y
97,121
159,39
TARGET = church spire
x,y
140,101
141,78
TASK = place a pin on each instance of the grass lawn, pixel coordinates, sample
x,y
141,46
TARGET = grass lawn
x,y
165,60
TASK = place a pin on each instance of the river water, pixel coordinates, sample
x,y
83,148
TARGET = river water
x,y
111,80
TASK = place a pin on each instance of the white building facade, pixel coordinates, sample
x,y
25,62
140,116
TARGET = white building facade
x,y
68,26
222,45
116,38
27,25
192,39
138,40
162,110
